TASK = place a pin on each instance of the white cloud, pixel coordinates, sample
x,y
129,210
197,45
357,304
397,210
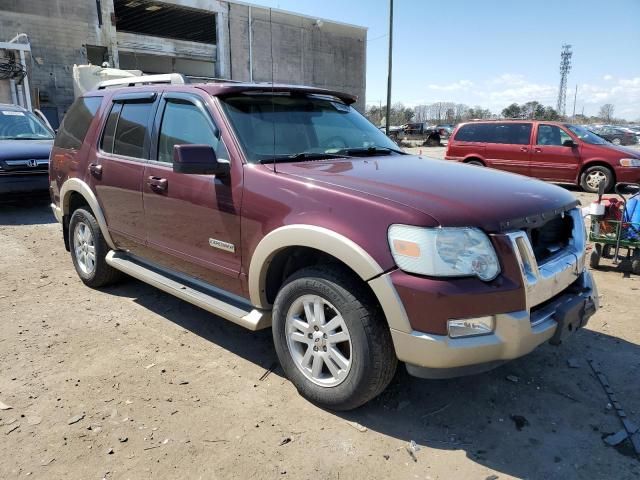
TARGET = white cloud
x,y
498,92
623,93
452,87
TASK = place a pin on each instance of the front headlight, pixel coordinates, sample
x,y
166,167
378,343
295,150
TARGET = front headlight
x,y
444,252
630,162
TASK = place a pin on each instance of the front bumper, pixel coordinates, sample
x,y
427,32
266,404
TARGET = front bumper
x,y
515,335
24,183
559,297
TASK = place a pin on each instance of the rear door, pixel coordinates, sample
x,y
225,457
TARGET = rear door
x,y
508,146
551,158
118,168
192,221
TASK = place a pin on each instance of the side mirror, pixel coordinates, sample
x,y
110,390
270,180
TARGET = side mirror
x,y
198,160
570,144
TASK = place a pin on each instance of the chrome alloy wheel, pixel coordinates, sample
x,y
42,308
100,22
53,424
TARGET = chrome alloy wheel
x,y
84,248
318,340
594,178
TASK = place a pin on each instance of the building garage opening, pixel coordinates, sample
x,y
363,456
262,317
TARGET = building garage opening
x,y
148,17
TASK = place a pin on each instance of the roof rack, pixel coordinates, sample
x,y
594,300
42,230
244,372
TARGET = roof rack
x,y
168,78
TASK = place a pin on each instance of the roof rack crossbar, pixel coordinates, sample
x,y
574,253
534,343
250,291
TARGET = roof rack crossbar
x,y
168,78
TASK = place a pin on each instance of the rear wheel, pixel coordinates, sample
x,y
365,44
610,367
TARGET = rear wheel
x,y
477,163
616,141
596,253
593,176
89,249
331,338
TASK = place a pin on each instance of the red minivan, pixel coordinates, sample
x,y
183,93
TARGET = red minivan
x,y
553,151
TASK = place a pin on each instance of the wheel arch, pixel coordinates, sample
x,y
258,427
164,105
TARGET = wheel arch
x,y
75,186
278,243
472,158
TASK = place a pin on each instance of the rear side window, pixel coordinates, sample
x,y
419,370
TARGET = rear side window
x,y
125,132
76,122
474,132
508,133
512,133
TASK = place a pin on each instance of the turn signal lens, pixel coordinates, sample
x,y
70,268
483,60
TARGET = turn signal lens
x,y
407,249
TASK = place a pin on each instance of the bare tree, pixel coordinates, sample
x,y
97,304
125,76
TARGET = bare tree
x,y
606,112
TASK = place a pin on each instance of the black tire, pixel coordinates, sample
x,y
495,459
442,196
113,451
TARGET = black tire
x,y
432,141
373,359
477,163
608,251
102,274
604,173
596,253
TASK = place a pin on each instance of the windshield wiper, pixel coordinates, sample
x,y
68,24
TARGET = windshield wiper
x,y
302,156
369,151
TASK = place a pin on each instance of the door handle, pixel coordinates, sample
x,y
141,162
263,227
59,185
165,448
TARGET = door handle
x,y
524,149
95,170
158,184
538,150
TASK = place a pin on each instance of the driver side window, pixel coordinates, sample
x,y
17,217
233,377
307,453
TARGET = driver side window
x,y
552,135
184,123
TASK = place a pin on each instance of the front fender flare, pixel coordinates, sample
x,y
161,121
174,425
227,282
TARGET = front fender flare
x,y
336,245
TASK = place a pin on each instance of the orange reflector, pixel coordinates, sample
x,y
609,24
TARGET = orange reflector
x,y
408,249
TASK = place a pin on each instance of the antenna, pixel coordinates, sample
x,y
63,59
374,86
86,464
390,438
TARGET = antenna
x,y
273,106
565,68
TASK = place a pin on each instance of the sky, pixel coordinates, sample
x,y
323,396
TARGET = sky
x,y
495,52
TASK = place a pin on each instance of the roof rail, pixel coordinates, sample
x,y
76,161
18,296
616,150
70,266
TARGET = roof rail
x,y
167,78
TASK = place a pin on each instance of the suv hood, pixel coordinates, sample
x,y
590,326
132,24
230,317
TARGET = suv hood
x,y
21,149
452,193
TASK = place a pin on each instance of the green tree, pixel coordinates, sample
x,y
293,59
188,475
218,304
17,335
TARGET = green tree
x,y
512,111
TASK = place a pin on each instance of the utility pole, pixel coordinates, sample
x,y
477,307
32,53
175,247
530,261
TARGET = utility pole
x,y
390,66
575,96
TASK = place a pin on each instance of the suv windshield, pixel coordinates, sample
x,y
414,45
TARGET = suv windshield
x,y
586,136
301,127
19,125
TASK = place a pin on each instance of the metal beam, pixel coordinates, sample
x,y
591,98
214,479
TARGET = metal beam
x,y
23,47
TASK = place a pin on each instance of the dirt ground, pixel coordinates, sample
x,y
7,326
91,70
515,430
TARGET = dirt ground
x,y
130,383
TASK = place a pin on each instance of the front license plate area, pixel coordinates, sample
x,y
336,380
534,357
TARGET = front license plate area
x,y
570,317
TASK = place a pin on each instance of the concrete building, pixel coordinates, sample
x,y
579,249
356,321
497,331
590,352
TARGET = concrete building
x,y
203,39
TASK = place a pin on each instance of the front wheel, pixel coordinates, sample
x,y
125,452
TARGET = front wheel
x,y
593,176
331,338
616,141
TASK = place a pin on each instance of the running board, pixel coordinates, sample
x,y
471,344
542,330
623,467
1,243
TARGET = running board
x,y
210,299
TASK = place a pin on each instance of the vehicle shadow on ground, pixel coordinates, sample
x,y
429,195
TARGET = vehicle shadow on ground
x,y
26,211
531,418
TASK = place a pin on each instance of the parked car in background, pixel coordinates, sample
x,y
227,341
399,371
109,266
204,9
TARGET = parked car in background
x,y
445,130
25,144
430,133
238,199
616,135
553,151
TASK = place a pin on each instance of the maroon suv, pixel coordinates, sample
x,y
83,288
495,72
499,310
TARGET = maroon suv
x,y
283,207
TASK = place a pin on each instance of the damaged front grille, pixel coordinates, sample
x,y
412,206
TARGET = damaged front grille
x,y
551,237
